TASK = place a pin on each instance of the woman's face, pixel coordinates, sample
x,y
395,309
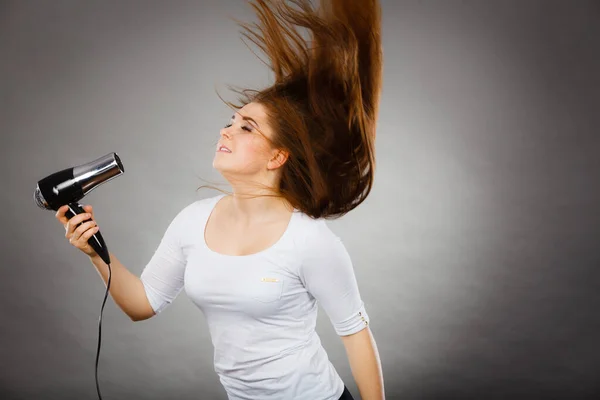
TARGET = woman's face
x,y
242,149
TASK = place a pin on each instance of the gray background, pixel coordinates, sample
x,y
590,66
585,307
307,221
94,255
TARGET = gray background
x,y
476,253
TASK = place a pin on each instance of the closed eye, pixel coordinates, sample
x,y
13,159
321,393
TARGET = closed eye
x,y
244,127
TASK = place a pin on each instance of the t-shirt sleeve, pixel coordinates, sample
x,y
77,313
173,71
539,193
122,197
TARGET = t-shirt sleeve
x,y
328,275
163,275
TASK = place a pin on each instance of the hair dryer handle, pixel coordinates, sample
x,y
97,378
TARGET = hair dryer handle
x,y
96,241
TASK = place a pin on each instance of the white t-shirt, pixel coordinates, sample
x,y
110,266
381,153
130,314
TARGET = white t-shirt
x,y
261,308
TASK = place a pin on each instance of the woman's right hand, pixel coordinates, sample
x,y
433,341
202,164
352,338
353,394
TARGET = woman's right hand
x,y
78,235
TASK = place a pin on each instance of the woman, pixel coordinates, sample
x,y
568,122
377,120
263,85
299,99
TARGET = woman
x,y
259,261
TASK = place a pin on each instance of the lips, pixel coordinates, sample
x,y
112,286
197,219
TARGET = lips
x,y
223,149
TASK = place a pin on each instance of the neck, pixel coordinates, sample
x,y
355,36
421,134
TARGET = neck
x,y
257,205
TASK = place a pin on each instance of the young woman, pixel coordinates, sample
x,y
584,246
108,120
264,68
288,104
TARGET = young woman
x,y
258,261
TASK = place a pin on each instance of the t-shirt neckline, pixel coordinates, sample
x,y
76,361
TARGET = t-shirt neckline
x,y
279,241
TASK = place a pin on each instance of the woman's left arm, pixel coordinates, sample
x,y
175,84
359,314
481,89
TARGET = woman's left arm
x,y
365,364
328,274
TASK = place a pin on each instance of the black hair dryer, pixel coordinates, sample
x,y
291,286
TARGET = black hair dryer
x,y
72,184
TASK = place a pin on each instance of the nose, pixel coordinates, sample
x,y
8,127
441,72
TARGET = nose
x,y
225,133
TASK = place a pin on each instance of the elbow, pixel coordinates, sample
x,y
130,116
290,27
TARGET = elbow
x,y
142,312
138,319
135,319
142,317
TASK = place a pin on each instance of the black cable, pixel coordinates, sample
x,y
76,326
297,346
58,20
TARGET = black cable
x,y
100,330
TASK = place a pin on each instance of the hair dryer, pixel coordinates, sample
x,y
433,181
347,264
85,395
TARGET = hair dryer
x,y
72,184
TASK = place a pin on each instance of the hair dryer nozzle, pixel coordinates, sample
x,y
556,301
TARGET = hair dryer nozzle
x,y
39,199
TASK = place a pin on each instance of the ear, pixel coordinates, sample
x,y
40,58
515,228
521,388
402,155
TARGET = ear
x,y
279,158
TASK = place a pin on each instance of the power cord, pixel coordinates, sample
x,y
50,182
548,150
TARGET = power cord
x,y
100,330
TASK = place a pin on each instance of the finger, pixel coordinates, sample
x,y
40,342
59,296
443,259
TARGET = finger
x,y
83,227
82,240
79,218
88,234
75,235
76,220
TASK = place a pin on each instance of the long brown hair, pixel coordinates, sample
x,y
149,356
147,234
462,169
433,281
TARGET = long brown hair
x,y
324,103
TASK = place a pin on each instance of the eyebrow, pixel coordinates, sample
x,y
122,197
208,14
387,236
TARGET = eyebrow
x,y
247,119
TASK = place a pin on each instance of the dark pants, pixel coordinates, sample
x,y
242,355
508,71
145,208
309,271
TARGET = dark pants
x,y
346,395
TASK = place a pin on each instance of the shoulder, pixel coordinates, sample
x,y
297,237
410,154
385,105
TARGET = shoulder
x,y
314,235
196,209
202,205
322,256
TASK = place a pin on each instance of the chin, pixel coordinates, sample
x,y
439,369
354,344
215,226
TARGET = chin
x,y
224,169
218,164
232,168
